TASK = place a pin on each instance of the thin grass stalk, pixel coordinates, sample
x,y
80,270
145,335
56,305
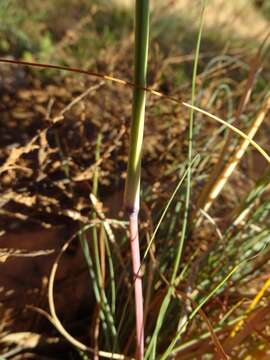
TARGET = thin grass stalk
x,y
190,146
91,269
94,267
132,189
152,348
95,240
164,212
97,255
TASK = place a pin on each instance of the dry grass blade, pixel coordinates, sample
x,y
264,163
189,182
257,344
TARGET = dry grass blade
x,y
251,307
23,217
257,320
5,254
235,158
213,223
218,347
93,74
76,101
98,208
235,129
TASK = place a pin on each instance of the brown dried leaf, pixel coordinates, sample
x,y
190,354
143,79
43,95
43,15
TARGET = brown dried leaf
x,y
21,115
20,198
7,253
25,339
75,215
257,320
16,153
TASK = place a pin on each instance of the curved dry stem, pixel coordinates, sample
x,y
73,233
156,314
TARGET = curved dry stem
x,y
57,323
93,74
235,129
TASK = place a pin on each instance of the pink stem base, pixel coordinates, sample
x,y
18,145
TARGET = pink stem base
x,y
136,264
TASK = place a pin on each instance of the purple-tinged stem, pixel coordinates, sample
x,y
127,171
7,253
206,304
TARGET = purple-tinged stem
x,y
136,267
132,188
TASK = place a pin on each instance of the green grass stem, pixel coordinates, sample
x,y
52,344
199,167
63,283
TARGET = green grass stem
x,y
151,351
132,189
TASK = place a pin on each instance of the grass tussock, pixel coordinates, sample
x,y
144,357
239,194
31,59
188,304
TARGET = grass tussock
x,y
204,217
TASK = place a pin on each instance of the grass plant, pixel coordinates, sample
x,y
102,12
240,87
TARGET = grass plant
x,y
197,275
132,190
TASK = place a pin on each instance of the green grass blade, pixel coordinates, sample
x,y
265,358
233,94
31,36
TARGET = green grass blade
x,y
151,351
